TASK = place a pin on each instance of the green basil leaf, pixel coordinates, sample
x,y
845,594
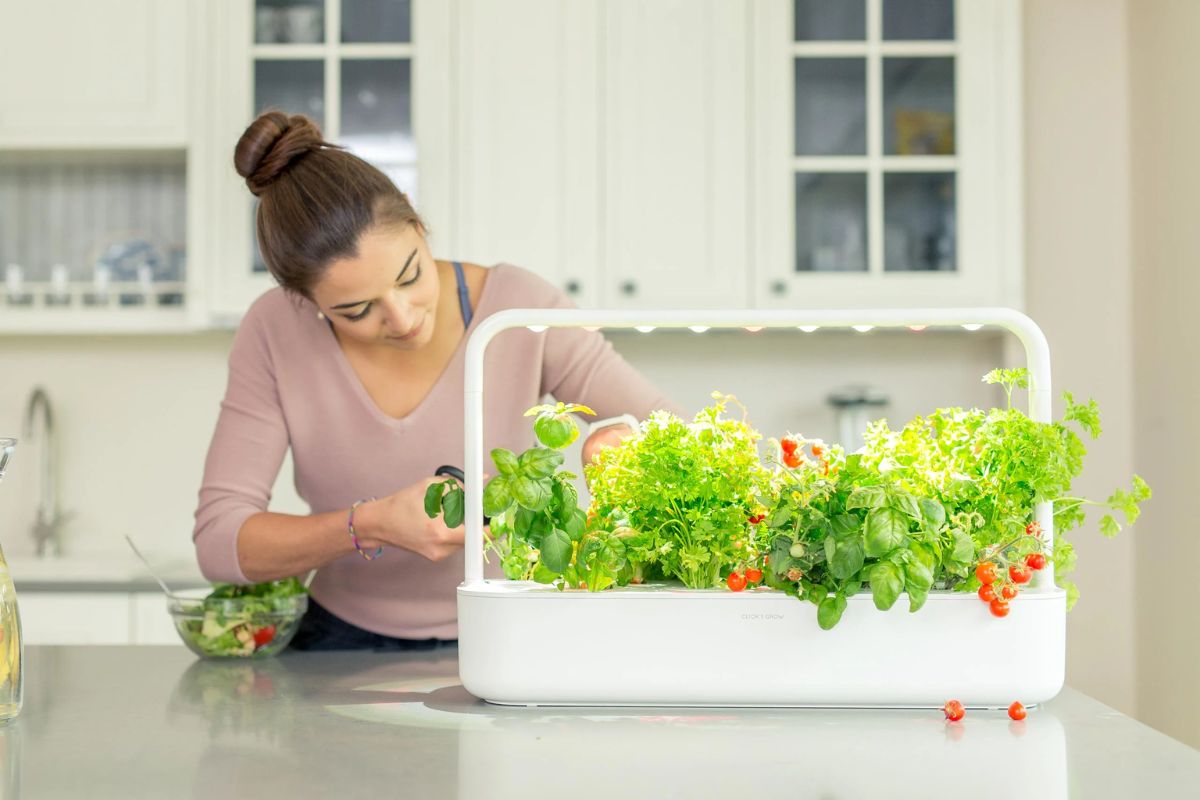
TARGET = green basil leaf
x,y
505,461
542,574
903,501
433,499
523,523
532,494
830,549
575,524
830,610
539,527
916,598
496,496
555,430
845,525
848,559
556,550
933,511
453,504
539,462
886,585
566,497
867,497
964,547
917,575
886,529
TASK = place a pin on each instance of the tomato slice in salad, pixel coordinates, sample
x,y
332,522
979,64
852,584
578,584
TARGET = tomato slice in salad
x,y
264,635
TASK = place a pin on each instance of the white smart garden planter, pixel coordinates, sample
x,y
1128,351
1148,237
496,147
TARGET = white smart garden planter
x,y
527,644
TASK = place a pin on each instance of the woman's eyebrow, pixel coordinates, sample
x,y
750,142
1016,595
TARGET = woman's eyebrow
x,y
407,264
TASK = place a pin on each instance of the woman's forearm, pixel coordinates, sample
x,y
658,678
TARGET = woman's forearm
x,y
271,546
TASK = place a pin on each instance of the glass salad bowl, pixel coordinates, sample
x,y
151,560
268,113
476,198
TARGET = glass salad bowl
x,y
239,621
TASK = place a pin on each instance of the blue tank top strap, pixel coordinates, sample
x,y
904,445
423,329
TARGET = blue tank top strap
x,y
464,295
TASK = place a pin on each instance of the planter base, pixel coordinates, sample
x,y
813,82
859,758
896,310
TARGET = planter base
x,y
526,644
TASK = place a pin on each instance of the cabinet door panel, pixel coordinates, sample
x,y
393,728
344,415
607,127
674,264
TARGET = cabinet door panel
x,y
675,153
93,74
529,139
75,618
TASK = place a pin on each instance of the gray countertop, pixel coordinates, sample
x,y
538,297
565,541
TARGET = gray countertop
x,y
135,722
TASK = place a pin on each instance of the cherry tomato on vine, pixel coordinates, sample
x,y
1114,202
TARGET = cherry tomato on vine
x,y
954,710
789,445
987,593
791,459
753,575
736,581
986,572
1019,573
999,607
1036,561
1034,529
1008,591
1017,711
818,451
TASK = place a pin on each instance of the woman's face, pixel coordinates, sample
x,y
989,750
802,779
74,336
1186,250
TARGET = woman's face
x,y
387,294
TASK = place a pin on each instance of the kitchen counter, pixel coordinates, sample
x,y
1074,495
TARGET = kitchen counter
x,y
135,722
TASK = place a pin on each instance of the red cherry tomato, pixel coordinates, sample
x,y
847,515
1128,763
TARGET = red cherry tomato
x,y
736,581
1008,591
789,445
954,710
986,572
1018,573
818,451
791,459
1036,561
1017,711
999,607
1034,529
753,575
987,593
264,635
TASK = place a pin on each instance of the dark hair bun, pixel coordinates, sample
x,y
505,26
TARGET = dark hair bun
x,y
271,144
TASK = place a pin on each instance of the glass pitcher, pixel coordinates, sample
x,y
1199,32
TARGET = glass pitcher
x,y
10,623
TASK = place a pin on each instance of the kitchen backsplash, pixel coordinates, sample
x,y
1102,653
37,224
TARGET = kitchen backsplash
x,y
134,415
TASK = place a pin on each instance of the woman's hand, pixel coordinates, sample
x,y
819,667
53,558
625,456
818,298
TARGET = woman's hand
x,y
608,436
399,520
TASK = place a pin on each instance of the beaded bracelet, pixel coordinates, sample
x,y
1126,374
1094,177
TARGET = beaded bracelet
x,y
354,536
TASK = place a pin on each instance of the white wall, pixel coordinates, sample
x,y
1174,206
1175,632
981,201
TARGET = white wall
x,y
1077,196
1165,118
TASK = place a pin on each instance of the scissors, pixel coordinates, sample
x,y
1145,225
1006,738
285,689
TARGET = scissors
x,y
454,472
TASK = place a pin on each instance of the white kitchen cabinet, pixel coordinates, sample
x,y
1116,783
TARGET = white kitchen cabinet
x,y
603,144
887,153
151,623
75,617
675,135
94,74
529,179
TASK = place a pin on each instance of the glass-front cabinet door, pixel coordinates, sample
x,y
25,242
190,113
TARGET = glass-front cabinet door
x,y
887,153
351,66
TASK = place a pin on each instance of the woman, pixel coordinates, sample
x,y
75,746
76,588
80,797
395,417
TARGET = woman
x,y
355,362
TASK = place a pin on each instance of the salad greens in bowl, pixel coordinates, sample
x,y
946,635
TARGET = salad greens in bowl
x,y
234,621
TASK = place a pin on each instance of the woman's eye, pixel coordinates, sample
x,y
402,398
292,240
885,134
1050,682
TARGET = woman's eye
x,y
359,315
413,279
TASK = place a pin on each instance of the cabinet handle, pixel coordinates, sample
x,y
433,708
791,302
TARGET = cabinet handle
x,y
779,288
628,288
572,286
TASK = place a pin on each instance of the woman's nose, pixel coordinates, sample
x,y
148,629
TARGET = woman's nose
x,y
397,314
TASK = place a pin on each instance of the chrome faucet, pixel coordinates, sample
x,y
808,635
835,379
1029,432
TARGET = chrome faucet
x,y
47,529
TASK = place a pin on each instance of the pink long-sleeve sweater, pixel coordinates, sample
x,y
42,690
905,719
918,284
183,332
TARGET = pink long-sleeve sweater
x,y
290,385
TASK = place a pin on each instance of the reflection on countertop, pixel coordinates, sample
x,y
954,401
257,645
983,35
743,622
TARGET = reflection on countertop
x,y
156,722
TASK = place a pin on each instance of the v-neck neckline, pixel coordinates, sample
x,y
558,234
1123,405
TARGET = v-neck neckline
x,y
360,389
